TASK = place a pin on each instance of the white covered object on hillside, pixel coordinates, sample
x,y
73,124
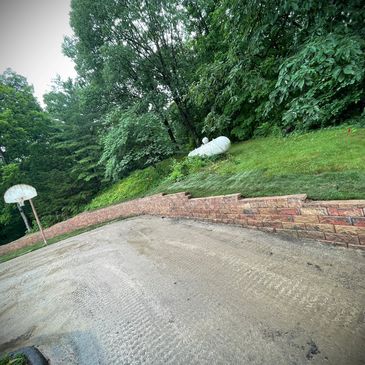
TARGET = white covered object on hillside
x,y
217,146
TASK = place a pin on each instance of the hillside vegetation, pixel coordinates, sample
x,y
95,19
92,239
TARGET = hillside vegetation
x,y
327,164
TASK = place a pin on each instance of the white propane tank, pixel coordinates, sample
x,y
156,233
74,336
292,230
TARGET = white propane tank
x,y
217,146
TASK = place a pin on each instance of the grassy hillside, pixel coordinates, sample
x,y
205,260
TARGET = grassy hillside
x,y
327,164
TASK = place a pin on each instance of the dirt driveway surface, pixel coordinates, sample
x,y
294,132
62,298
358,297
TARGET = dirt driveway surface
x,y
150,290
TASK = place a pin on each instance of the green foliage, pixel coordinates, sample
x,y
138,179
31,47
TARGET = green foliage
x,y
136,185
186,166
77,142
28,155
11,225
22,123
136,51
133,142
291,65
19,359
268,129
321,82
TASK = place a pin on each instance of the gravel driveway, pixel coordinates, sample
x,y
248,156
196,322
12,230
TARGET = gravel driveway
x,y
150,290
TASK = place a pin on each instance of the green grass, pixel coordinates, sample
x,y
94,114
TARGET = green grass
x,y
50,241
328,150
19,359
136,185
326,164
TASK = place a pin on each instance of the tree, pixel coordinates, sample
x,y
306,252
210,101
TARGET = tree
x,y
133,142
22,122
247,48
136,48
76,112
27,153
322,84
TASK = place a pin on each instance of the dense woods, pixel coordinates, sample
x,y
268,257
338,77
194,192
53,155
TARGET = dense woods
x,y
155,76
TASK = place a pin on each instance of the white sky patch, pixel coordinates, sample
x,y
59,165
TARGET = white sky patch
x,y
31,36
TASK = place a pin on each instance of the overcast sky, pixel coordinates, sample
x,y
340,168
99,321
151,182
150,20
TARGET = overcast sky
x,y
31,35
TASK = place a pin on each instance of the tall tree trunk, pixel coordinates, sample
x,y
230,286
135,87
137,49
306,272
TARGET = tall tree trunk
x,y
169,131
187,121
176,96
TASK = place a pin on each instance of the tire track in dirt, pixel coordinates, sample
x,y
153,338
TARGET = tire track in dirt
x,y
150,291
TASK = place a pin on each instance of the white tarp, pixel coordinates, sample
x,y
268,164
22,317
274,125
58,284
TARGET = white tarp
x,y
215,147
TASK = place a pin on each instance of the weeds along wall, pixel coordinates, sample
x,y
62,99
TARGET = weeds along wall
x,y
335,222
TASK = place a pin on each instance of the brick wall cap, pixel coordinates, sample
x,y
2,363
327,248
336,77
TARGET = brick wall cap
x,y
172,195
302,197
229,196
335,203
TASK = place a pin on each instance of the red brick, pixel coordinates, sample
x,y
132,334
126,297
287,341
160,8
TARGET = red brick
x,y
267,210
362,239
250,211
272,224
255,204
320,227
253,222
255,217
287,232
345,238
350,230
246,205
276,218
277,203
266,229
296,201
288,211
291,225
348,212
311,234
313,211
337,203
242,222
358,221
335,220
305,219
340,244
265,202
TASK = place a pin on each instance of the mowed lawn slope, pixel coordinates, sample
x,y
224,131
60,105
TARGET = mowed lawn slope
x,y
326,164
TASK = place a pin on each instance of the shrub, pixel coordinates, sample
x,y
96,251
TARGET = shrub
x,y
321,83
133,142
187,166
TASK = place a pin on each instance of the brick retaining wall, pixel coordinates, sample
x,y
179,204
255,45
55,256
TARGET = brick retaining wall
x,y
339,222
